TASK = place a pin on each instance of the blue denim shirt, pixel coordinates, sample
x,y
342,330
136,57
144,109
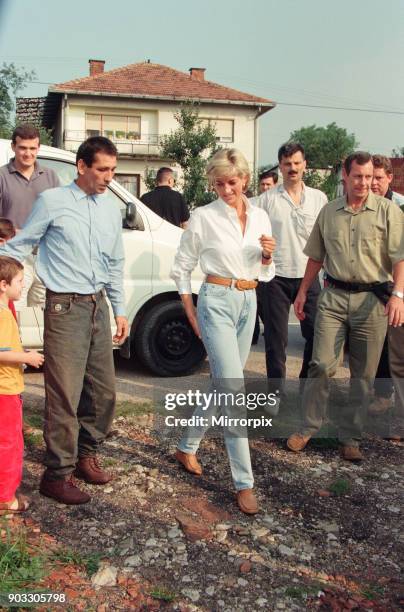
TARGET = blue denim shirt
x,y
80,243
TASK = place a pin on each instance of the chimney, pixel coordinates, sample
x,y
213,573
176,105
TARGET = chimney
x,y
96,66
197,73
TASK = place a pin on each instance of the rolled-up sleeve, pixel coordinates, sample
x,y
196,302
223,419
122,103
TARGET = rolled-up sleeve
x,y
315,247
395,234
187,256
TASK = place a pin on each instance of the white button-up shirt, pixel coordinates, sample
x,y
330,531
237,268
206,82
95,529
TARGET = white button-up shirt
x,y
214,238
291,226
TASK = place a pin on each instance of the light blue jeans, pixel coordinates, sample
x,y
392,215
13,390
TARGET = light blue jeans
x,y
226,319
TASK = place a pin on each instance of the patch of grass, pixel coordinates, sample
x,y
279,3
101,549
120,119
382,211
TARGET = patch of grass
x,y
339,487
34,420
296,592
131,409
127,467
163,594
109,461
303,591
89,561
33,440
19,566
373,592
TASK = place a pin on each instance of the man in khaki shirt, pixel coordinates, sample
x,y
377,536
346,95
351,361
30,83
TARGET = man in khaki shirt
x,y
359,239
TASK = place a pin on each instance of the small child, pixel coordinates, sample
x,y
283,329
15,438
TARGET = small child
x,y
7,231
12,357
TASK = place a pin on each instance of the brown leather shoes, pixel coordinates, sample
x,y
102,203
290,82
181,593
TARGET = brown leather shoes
x,y
190,462
351,453
379,406
89,470
297,442
247,502
64,490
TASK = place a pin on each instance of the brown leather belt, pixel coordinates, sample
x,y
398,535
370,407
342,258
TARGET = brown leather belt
x,y
240,284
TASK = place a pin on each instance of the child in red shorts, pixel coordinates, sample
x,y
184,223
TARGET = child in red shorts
x,y
12,357
7,231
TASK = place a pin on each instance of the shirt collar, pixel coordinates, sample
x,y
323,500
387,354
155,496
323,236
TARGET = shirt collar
x,y
79,194
370,202
282,190
12,169
229,210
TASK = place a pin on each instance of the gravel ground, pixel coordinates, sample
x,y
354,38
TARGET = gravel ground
x,y
328,535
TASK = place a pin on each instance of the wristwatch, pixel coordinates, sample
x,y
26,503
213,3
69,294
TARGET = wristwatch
x,y
266,257
398,294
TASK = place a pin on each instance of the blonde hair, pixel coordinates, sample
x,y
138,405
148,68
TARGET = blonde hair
x,y
227,162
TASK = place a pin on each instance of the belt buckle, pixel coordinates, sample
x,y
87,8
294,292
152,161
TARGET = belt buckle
x,y
242,284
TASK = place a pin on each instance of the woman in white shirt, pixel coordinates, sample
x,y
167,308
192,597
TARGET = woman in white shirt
x,y
231,240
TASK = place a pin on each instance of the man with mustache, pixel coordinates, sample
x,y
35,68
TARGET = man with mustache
x,y
292,208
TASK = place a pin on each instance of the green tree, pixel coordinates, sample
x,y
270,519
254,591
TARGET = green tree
x,y
399,152
190,146
326,148
12,80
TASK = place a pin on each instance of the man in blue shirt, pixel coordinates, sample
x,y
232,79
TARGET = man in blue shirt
x,y
80,260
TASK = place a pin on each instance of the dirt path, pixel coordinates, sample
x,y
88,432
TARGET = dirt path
x,y
328,535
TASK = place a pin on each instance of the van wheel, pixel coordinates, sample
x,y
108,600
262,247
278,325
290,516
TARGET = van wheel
x,y
165,342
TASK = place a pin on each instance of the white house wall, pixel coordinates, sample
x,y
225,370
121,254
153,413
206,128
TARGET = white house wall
x,y
157,118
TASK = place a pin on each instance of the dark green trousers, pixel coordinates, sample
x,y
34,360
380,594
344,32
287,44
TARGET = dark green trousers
x,y
79,379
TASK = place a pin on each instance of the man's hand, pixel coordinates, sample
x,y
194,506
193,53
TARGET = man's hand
x,y
395,311
268,245
299,305
34,359
122,330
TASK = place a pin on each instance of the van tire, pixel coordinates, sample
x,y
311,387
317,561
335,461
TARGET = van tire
x,y
165,342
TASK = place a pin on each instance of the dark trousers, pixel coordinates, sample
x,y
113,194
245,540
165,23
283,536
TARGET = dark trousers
x,y
396,356
383,384
277,297
260,314
79,379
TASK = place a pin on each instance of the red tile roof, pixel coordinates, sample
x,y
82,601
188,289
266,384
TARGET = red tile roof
x,y
157,81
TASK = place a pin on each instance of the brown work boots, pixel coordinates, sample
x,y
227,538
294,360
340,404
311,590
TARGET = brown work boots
x,y
63,490
89,470
66,491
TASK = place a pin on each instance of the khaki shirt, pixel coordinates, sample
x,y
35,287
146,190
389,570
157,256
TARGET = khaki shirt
x,y
358,246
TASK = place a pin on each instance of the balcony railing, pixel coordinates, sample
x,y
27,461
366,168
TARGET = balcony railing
x,y
147,144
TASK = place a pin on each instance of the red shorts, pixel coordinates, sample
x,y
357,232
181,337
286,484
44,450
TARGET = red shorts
x,y
11,446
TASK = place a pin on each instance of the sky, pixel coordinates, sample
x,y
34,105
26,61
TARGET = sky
x,y
314,52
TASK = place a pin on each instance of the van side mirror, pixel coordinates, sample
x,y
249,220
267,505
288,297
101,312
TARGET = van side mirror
x,y
133,219
129,221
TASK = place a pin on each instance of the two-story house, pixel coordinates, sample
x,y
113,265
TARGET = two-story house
x,y
135,105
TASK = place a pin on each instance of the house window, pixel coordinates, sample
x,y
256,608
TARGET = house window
x,y
224,129
114,127
93,125
131,182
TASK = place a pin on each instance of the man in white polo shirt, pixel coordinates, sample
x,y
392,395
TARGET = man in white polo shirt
x,y
292,208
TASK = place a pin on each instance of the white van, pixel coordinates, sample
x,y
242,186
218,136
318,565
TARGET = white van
x,y
160,335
